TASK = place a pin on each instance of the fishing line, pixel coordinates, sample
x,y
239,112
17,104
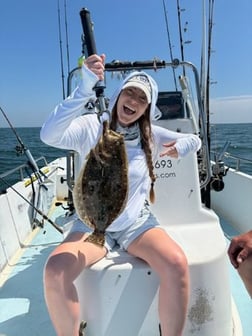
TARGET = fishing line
x,y
56,226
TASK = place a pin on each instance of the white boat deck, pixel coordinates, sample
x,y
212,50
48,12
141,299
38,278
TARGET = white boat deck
x,y
23,310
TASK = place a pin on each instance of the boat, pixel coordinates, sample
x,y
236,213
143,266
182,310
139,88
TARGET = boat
x,y
207,204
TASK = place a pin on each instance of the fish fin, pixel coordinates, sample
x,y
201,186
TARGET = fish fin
x,y
97,156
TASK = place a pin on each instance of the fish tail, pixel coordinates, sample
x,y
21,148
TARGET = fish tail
x,y
97,237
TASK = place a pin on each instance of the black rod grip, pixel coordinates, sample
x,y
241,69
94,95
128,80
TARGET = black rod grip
x,y
87,27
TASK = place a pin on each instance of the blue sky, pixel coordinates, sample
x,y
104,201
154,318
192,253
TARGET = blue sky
x,y
30,71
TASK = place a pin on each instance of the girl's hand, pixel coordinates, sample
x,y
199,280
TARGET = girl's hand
x,y
95,64
170,150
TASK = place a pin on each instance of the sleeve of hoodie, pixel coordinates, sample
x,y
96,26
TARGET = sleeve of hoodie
x,y
185,142
61,127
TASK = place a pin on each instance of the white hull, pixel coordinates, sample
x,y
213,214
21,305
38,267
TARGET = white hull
x,y
233,203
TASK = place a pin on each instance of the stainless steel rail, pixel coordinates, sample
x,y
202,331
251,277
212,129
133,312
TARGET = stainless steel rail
x,y
21,168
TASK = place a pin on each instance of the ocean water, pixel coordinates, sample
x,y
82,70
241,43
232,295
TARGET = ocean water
x,y
9,158
239,135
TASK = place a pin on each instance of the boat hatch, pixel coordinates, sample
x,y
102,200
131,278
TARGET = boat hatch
x,y
171,105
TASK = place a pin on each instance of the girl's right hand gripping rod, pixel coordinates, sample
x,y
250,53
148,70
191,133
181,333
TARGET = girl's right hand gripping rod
x,y
90,49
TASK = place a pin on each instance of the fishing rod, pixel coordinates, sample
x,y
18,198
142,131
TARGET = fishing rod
x,y
90,49
207,90
23,149
169,43
209,52
67,39
56,226
182,41
180,35
61,54
203,66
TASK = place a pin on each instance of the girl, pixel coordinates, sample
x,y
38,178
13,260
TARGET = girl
x,y
136,230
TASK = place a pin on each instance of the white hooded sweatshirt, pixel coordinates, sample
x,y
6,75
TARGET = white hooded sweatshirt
x,y
67,128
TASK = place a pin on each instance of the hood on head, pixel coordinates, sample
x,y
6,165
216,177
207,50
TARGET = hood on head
x,y
154,113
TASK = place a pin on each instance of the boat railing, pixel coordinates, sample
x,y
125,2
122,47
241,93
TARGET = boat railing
x,y
125,66
234,161
21,170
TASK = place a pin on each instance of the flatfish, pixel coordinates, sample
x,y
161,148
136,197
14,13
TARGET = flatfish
x,y
101,189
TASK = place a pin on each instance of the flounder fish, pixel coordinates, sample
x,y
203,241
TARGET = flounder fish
x,y
101,189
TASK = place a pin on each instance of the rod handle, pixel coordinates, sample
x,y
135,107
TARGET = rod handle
x,y
88,31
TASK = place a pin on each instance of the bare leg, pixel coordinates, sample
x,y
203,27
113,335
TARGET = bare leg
x,y
62,268
167,259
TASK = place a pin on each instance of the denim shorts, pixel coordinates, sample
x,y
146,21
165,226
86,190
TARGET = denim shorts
x,y
145,221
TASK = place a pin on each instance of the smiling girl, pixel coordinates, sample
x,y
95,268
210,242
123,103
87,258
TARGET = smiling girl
x,y
136,230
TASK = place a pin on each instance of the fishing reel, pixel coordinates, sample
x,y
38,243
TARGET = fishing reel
x,y
219,170
19,150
